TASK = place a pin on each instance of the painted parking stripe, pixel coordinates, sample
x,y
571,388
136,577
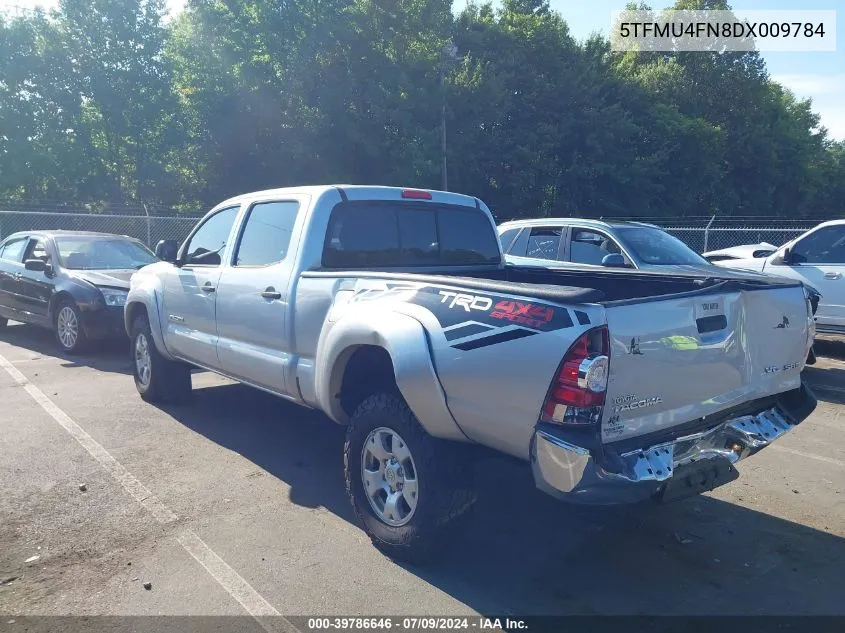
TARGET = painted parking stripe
x,y
820,458
232,582
237,587
135,488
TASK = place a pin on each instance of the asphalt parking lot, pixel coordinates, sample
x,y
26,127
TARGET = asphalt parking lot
x,y
235,504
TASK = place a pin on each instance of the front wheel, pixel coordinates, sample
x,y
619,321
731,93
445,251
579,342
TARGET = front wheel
x,y
406,486
157,379
67,325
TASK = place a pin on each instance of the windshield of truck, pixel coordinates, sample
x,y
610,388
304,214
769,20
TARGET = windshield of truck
x,y
384,234
654,246
99,253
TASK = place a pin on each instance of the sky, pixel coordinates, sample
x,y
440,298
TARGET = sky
x,y
815,75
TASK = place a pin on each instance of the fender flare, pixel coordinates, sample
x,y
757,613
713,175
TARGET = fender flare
x,y
148,297
406,342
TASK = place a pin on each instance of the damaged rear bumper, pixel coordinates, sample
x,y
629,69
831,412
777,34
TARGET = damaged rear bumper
x,y
667,470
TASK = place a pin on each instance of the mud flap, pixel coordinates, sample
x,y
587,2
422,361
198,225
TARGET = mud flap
x,y
696,477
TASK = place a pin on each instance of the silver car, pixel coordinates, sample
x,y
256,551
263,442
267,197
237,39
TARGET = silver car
x,y
560,242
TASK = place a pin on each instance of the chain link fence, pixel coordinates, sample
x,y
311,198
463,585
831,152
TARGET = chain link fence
x,y
148,229
702,240
152,228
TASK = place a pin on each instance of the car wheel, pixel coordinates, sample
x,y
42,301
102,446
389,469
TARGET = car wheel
x,y
406,486
157,379
67,326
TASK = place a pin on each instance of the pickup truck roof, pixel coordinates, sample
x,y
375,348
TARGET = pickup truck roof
x,y
355,192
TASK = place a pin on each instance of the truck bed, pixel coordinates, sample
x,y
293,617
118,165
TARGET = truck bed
x,y
682,347
575,285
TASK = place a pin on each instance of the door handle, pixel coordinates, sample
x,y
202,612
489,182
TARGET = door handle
x,y
270,293
833,275
208,287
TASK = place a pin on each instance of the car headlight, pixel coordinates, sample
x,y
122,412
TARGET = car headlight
x,y
114,297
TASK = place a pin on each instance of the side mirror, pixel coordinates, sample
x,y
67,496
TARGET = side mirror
x,y
35,264
787,255
614,260
167,251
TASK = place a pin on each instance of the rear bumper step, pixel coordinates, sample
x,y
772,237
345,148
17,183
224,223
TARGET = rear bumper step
x,y
668,471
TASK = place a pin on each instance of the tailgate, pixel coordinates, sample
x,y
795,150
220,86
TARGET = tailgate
x,y
678,359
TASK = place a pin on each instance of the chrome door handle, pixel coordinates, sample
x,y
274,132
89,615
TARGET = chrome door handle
x,y
208,287
270,293
833,275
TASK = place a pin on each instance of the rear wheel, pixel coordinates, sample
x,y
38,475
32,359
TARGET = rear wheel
x,y
406,486
157,379
67,326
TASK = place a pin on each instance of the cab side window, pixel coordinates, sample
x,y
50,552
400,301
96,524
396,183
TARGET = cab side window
x,y
591,247
507,237
520,244
266,235
207,246
12,250
36,250
544,242
825,246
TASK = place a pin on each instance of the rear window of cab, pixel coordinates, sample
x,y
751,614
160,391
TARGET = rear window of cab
x,y
386,234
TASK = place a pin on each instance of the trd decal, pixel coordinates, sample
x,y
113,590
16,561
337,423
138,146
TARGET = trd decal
x,y
465,301
453,308
465,314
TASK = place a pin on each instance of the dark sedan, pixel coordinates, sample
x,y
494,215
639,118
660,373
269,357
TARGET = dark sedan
x,y
74,283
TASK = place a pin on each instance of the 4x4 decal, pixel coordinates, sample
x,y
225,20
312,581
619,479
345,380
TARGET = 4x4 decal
x,y
470,320
483,316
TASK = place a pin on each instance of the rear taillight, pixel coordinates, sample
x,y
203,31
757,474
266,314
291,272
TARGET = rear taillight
x,y
577,393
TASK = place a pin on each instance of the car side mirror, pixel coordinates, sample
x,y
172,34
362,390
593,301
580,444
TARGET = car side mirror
x,y
35,264
167,251
791,258
613,260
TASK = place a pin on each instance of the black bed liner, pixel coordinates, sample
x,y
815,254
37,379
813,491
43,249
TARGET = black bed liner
x,y
575,285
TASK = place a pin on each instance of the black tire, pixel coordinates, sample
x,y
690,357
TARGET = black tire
x,y
67,312
168,381
443,479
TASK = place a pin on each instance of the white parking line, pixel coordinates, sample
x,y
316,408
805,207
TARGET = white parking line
x,y
228,578
135,488
821,458
217,568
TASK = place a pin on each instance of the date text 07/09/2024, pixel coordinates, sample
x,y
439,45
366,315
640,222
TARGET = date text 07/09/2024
x,y
416,623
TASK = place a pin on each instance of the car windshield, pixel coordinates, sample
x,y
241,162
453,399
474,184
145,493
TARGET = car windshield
x,y
102,253
653,246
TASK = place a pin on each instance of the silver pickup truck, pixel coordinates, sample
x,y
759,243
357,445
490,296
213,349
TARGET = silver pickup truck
x,y
391,310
